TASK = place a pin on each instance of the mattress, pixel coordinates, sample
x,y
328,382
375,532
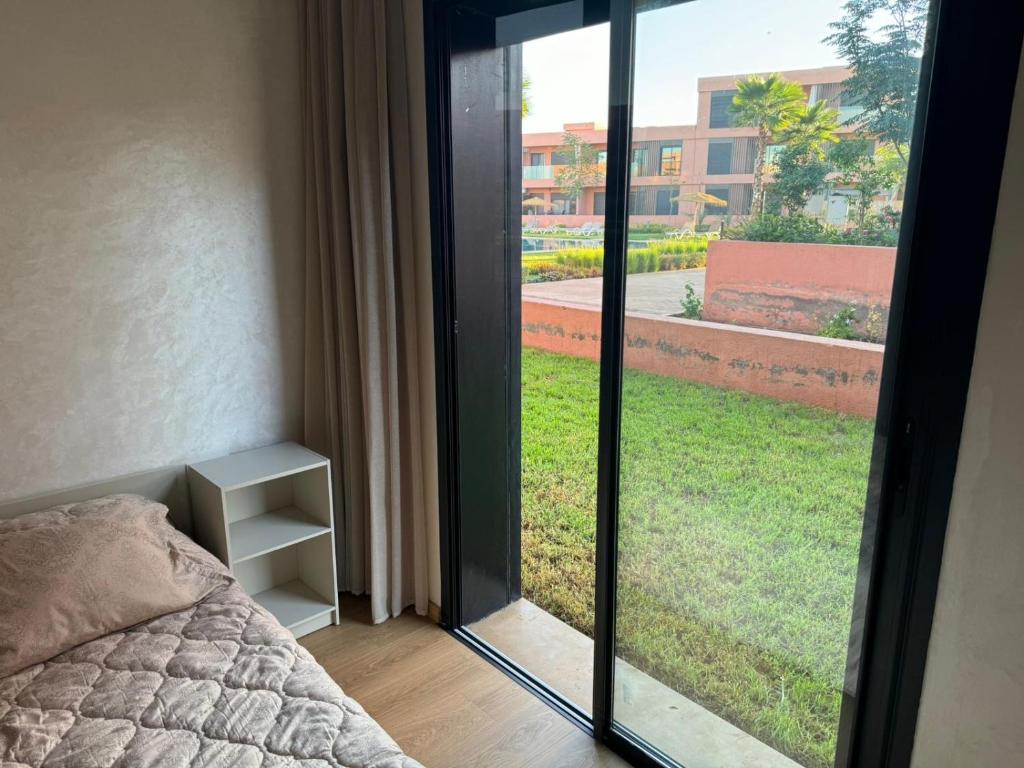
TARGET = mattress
x,y
219,684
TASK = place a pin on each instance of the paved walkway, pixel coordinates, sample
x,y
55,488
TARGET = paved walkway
x,y
655,292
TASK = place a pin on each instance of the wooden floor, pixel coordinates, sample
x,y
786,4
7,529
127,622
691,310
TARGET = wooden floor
x,y
443,704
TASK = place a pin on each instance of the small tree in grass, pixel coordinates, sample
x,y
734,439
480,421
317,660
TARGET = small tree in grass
x,y
692,304
582,171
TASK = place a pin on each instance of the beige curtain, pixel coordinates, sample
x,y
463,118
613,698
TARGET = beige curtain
x,y
369,354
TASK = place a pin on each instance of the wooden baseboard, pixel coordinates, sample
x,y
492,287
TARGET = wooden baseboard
x,y
434,612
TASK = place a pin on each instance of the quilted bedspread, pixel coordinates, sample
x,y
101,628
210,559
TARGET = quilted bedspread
x,y
219,684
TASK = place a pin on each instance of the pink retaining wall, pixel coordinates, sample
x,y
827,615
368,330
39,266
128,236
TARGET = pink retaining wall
x,y
795,286
829,373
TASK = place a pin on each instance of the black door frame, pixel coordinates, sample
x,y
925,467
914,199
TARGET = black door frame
x,y
937,297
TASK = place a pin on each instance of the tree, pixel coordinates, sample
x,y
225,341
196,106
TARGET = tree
x,y
767,104
801,167
582,171
798,175
881,41
869,170
811,128
527,103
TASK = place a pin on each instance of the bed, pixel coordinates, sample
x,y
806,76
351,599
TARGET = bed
x,y
217,683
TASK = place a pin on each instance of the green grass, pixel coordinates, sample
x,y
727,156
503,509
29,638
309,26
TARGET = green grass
x,y
538,256
740,521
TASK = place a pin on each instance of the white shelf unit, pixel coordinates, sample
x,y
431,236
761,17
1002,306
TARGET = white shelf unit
x,y
267,514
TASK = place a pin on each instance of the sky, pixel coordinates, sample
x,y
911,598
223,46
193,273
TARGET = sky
x,y
674,46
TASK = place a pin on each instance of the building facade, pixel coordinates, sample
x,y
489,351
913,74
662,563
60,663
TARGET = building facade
x,y
672,163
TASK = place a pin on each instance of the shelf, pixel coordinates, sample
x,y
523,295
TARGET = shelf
x,y
258,466
264,533
267,515
293,603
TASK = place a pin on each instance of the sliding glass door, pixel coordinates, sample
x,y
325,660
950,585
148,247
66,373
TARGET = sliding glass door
x,y
754,340
529,106
696,427
555,280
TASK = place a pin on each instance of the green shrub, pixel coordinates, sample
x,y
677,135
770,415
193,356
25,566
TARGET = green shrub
x,y
650,228
842,325
658,256
874,232
683,254
546,272
797,228
693,305
687,245
874,325
640,260
668,261
581,257
771,228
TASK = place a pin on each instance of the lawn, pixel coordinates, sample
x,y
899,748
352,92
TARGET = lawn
x,y
740,521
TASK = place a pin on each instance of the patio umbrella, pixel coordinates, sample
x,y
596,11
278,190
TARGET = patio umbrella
x,y
701,199
537,202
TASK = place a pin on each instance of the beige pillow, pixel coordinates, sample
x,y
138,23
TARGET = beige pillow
x,y
80,571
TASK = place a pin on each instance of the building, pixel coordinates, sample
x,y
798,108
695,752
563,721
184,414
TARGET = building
x,y
714,156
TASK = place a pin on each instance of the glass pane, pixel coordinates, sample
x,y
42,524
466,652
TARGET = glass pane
x,y
549,629
757,302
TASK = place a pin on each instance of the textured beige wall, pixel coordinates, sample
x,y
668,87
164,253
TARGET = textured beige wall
x,y
150,234
973,698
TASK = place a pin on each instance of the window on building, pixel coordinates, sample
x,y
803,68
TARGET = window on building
x,y
602,157
536,158
739,199
851,104
720,156
827,92
641,201
561,158
666,202
599,203
671,160
639,165
563,204
720,116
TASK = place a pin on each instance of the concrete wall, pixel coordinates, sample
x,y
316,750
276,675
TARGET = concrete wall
x,y
151,246
795,286
829,373
972,706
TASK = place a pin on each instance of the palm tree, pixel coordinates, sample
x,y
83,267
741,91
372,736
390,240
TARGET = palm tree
x,y
811,129
767,104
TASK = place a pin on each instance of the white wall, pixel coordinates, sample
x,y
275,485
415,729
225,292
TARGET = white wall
x,y
150,235
972,708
